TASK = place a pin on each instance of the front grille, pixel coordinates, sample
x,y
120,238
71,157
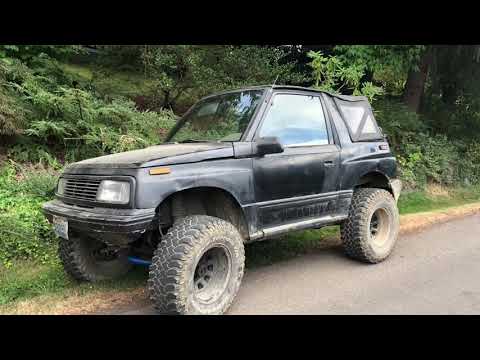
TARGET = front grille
x,y
81,188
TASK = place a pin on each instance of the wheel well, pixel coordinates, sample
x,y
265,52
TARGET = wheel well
x,y
203,201
374,180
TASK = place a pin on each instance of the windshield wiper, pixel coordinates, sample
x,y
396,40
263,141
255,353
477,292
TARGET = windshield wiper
x,y
191,141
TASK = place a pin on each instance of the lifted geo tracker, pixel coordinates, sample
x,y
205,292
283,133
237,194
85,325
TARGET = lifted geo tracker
x,y
239,166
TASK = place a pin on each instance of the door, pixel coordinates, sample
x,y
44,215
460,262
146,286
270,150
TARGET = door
x,y
300,183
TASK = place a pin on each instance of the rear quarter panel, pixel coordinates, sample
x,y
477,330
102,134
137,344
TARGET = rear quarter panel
x,y
360,158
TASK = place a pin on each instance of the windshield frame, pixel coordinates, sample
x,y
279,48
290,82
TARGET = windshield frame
x,y
184,118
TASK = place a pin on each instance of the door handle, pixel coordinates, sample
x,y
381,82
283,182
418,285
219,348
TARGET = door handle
x,y
329,163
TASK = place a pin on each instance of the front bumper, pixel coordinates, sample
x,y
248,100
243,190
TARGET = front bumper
x,y
113,226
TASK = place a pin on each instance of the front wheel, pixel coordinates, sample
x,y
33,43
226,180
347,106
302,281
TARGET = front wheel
x,y
87,259
197,268
371,230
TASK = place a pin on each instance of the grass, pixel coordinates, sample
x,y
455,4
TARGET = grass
x,y
418,201
27,280
84,72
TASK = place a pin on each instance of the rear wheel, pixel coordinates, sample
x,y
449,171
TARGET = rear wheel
x,y
371,230
87,259
197,268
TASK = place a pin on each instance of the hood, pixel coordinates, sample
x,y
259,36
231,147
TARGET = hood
x,y
168,154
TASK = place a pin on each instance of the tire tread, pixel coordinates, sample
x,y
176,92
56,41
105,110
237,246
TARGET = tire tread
x,y
167,276
355,229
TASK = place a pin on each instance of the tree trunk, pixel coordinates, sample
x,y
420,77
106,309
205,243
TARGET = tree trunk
x,y
416,80
166,99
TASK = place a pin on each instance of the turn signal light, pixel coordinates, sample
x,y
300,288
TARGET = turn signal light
x,y
160,171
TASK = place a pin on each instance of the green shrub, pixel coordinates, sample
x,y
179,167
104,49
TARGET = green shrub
x,y
24,231
397,122
435,159
469,163
425,158
424,155
72,123
12,116
38,181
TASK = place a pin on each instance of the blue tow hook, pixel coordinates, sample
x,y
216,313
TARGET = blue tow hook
x,y
137,261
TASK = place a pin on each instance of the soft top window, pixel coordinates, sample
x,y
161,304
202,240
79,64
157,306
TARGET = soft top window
x,y
359,118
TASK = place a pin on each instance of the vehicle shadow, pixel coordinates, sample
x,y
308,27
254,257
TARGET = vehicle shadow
x,y
260,254
291,246
271,251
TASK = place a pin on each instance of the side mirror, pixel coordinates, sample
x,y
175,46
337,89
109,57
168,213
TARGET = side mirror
x,y
268,145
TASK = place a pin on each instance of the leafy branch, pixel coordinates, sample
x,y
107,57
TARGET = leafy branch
x,y
333,75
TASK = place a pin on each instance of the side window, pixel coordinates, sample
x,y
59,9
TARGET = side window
x,y
297,120
359,119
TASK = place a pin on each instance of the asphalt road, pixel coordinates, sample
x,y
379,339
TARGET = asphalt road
x,y
436,271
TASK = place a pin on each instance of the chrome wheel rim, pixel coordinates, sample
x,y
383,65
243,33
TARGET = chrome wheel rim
x,y
211,275
379,227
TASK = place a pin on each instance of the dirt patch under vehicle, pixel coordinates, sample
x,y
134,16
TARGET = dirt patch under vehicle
x,y
79,304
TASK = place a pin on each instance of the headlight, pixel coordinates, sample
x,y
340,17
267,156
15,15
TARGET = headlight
x,y
116,192
61,186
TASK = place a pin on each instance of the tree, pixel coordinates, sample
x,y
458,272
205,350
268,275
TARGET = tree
x,y
415,85
454,71
332,74
395,67
190,69
452,93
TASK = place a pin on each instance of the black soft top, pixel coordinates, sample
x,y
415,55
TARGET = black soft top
x,y
339,96
350,98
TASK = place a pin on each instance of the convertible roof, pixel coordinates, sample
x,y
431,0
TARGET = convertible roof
x,y
339,96
291,87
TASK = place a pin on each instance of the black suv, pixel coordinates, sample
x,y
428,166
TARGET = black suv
x,y
239,166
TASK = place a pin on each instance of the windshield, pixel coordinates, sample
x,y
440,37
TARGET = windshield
x,y
219,118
